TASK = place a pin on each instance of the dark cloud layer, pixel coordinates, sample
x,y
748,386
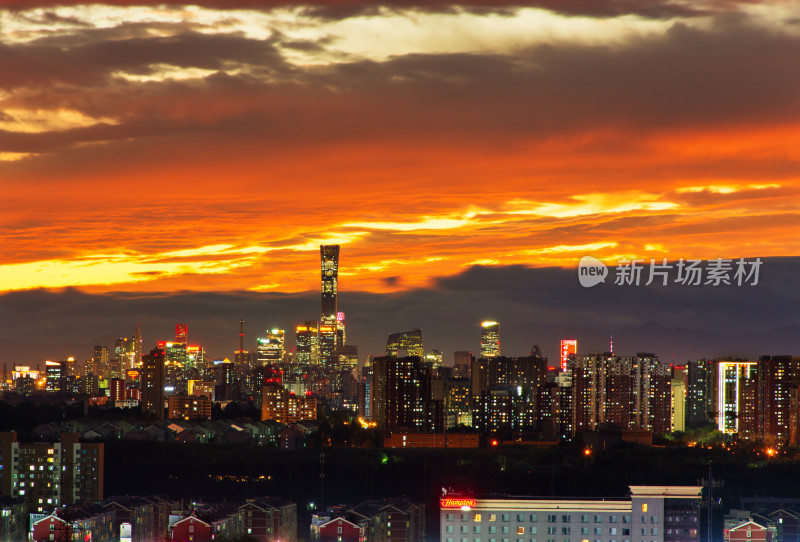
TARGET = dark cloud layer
x,y
653,9
533,305
732,75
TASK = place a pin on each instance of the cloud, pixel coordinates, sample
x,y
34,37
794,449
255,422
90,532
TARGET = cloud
x,y
423,140
351,8
533,306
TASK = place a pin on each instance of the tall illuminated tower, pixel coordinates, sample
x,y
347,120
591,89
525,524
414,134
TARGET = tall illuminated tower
x,y
490,339
329,257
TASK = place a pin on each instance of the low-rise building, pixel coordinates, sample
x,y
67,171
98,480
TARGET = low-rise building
x,y
84,522
190,529
650,514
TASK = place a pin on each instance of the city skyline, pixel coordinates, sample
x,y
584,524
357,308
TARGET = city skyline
x,y
177,163
533,306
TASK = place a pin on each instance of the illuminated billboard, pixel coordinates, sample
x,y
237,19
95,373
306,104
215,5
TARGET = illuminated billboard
x,y
568,347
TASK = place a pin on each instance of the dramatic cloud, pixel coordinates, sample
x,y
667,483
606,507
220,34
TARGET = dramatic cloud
x,y
215,146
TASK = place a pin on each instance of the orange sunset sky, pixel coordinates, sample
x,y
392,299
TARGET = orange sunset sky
x,y
214,146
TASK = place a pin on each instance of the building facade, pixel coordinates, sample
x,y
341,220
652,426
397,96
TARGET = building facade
x,y
651,514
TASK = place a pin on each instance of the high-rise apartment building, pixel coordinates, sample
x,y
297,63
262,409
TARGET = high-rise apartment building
x,y
737,391
55,373
152,383
700,391
678,409
490,339
49,475
401,387
405,343
279,404
627,392
778,376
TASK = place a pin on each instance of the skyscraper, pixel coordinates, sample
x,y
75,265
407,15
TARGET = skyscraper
x,y
568,347
328,337
307,341
182,333
100,360
405,343
153,383
271,347
490,339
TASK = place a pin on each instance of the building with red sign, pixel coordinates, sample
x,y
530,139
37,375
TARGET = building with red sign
x,y
650,514
569,347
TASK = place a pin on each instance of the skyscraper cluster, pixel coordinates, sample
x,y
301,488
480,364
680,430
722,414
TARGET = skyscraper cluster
x,y
409,389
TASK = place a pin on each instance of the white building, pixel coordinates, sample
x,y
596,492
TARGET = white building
x,y
651,514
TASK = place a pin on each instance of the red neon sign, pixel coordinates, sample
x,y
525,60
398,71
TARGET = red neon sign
x,y
448,502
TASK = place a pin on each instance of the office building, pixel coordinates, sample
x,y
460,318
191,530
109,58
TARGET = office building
x,y
182,333
271,347
405,343
434,359
569,347
55,373
778,376
227,387
307,343
100,360
490,339
650,514
123,357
